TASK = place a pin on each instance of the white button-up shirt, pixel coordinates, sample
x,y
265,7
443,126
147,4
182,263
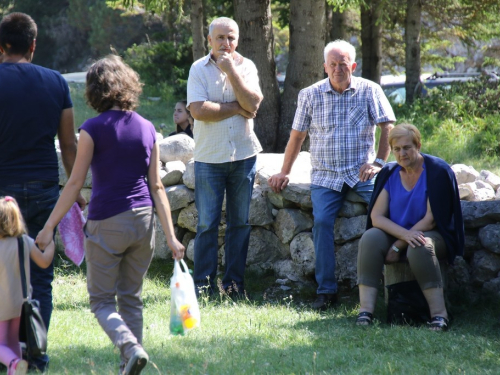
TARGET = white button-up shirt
x,y
231,139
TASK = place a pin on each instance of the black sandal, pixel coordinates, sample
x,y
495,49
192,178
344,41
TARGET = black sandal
x,y
364,319
438,323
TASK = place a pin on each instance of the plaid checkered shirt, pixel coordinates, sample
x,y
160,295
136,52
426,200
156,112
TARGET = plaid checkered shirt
x,y
341,128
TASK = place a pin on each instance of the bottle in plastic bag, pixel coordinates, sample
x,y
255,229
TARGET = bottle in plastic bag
x,y
176,327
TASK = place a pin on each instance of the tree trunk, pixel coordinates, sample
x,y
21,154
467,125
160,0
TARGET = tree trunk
x,y
412,51
371,41
336,23
197,30
305,67
257,43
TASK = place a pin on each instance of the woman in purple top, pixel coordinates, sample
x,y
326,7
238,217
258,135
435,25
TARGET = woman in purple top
x,y
121,149
415,209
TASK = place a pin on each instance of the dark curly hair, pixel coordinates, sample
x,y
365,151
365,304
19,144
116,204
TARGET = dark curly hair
x,y
17,32
112,82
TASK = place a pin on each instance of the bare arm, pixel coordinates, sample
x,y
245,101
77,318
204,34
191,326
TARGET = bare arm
x,y
67,143
212,112
43,259
71,191
367,170
161,203
248,99
280,180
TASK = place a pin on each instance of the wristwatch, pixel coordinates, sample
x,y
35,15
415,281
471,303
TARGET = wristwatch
x,y
395,249
380,161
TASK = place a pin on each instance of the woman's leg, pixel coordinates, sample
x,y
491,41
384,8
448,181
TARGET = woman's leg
x,y
372,249
424,263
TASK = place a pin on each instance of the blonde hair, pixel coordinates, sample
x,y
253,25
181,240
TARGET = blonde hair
x,y
11,219
405,130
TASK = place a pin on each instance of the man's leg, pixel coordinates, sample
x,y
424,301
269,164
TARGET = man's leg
x,y
36,201
326,206
239,189
365,189
209,194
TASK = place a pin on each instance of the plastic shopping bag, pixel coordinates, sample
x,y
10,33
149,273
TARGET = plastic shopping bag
x,y
184,310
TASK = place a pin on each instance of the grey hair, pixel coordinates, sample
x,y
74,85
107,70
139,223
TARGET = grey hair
x,y
342,45
223,21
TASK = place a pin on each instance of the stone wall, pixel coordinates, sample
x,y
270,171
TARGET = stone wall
x,y
281,236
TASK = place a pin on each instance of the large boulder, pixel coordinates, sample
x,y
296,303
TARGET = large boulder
x,y
479,214
177,147
291,221
302,253
492,179
179,196
490,237
346,262
464,173
173,172
188,176
485,266
348,229
264,248
260,208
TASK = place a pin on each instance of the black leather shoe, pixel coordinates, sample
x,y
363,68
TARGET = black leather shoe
x,y
324,301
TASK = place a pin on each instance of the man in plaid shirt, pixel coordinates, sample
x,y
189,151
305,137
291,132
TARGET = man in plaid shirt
x,y
340,113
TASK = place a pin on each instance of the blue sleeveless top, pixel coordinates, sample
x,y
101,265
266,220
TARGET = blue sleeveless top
x,y
406,208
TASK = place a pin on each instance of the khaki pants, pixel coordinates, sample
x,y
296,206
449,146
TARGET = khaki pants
x,y
424,260
118,251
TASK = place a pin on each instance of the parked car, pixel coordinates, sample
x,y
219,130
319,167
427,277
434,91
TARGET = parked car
x,y
394,86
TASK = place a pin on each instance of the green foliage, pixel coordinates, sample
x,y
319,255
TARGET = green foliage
x,y
160,64
459,123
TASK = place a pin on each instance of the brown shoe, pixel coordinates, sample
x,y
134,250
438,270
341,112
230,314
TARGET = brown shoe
x,y
324,301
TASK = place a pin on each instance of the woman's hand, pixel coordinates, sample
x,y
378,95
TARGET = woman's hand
x,y
177,249
414,238
392,256
44,238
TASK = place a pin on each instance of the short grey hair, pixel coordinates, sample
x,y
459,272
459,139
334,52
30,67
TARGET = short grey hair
x,y
223,21
342,45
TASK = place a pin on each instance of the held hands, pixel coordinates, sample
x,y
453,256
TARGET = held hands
x,y
44,238
368,171
278,182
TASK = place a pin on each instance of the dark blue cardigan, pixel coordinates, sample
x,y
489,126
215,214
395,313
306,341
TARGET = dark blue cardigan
x,y
444,199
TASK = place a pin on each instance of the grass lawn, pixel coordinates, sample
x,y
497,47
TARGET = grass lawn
x,y
281,336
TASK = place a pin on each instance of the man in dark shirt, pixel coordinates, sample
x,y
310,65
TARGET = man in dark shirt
x,y
35,105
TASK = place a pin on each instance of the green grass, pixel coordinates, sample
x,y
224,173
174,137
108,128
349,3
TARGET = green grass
x,y
281,336
158,112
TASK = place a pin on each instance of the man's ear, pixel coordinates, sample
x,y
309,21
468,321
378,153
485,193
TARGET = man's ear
x,y
33,46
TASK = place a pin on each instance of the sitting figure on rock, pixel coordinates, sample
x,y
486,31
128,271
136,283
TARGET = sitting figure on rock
x,y
414,212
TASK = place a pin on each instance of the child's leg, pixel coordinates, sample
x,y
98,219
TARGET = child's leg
x,y
9,346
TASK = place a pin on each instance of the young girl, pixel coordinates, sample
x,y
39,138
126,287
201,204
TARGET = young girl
x,y
120,146
183,119
11,294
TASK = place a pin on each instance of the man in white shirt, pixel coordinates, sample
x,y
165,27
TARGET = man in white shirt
x,y
223,97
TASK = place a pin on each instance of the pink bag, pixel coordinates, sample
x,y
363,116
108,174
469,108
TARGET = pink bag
x,y
71,230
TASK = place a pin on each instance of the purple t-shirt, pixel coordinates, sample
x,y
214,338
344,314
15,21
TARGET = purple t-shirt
x,y
123,141
406,208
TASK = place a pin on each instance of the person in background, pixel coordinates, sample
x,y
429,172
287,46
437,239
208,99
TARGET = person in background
x,y
35,105
120,146
182,119
223,97
341,114
11,227
415,212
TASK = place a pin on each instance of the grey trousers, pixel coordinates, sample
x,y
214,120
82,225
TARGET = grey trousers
x,y
424,260
118,252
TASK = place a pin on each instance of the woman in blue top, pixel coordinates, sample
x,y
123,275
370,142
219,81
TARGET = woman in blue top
x,y
121,149
415,208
